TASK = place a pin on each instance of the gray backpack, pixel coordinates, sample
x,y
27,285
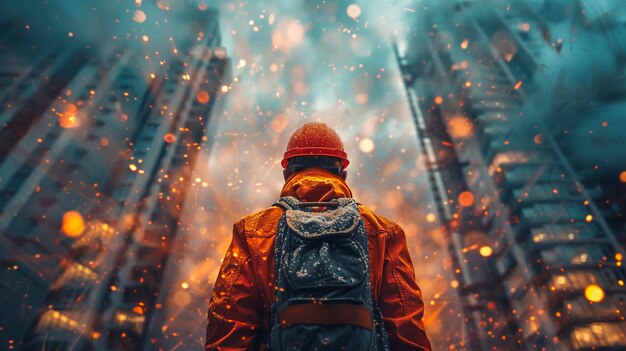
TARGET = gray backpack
x,y
323,298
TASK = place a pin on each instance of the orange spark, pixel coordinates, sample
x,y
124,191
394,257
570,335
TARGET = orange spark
x,y
202,97
68,119
466,199
169,138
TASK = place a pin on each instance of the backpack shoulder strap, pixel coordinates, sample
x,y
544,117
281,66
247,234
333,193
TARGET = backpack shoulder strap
x,y
287,203
291,203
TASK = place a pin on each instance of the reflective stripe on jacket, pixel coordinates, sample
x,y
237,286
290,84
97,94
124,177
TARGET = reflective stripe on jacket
x,y
244,288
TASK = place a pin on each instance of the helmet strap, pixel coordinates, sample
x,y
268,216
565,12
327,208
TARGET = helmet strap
x,y
344,174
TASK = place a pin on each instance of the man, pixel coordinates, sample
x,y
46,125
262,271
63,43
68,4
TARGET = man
x,y
314,171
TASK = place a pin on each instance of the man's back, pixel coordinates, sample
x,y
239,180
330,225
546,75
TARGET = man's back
x,y
241,299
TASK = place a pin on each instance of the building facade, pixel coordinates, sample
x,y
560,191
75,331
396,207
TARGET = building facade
x,y
537,265
96,156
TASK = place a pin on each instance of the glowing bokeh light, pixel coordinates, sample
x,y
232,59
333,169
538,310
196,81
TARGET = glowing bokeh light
x,y
466,199
485,251
295,33
139,16
366,145
202,97
73,224
594,293
460,127
68,118
169,138
353,10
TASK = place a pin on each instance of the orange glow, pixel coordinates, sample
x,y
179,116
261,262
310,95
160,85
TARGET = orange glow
x,y
460,127
438,100
288,35
68,119
184,285
138,309
466,199
169,138
464,44
202,97
622,177
431,217
95,335
73,224
594,293
518,85
589,218
485,251
538,139
454,284
618,256
279,123
362,98
468,84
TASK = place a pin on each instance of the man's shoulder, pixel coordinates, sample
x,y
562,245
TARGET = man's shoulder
x,y
376,224
263,223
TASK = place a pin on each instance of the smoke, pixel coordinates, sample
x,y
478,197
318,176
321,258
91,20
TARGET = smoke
x,y
578,92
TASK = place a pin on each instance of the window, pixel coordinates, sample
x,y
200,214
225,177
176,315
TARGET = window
x,y
576,255
599,335
573,280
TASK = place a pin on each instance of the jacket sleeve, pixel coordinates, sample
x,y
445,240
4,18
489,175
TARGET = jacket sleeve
x,y
400,298
235,309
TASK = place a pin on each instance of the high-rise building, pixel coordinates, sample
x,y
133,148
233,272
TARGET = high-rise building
x,y
96,153
538,266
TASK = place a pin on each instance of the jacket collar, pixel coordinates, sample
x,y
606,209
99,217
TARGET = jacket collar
x,y
315,184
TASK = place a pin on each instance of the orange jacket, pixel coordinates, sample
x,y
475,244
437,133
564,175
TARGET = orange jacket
x,y
244,289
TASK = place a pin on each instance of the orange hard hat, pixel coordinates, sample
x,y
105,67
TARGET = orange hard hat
x,y
315,139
